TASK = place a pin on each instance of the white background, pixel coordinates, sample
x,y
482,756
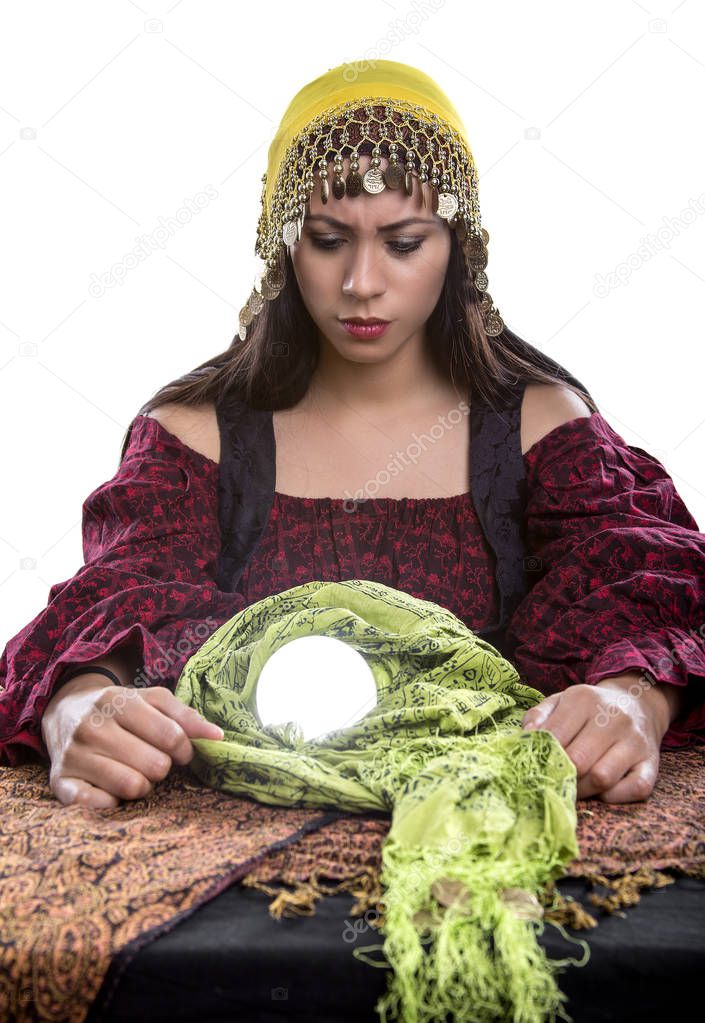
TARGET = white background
x,y
585,120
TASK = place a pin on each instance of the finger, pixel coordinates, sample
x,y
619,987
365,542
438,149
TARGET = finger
x,y
565,719
112,774
76,790
535,716
101,750
636,785
606,769
150,738
193,723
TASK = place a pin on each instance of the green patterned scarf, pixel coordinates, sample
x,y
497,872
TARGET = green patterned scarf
x,y
483,812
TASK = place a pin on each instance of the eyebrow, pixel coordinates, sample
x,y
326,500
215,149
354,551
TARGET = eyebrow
x,y
384,227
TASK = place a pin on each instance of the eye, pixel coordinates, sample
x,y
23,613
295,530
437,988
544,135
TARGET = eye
x,y
399,248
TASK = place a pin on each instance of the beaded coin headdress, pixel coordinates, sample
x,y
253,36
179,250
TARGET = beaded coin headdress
x,y
396,112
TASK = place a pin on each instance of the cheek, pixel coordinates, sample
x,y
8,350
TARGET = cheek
x,y
316,286
425,276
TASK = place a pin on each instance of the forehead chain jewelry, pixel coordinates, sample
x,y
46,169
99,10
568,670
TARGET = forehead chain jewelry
x,y
422,149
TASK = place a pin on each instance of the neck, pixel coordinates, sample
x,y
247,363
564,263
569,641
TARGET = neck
x,y
406,382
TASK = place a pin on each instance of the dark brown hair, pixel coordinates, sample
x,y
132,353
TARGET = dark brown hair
x,y
272,368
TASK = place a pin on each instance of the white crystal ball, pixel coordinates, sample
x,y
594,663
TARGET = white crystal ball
x,y
320,682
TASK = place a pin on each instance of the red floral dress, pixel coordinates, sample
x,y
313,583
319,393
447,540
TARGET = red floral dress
x,y
618,560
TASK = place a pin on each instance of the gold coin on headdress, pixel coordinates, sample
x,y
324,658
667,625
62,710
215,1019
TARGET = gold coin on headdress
x,y
481,281
478,261
394,175
473,244
485,302
324,190
242,332
353,183
373,181
485,236
255,302
267,292
289,232
409,183
447,205
246,316
274,278
494,324
339,188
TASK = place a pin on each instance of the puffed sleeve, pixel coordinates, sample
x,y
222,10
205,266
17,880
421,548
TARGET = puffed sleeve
x,y
151,539
616,570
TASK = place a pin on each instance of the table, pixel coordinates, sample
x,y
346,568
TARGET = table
x,y
230,960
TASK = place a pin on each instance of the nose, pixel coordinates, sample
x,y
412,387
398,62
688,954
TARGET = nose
x,y
364,272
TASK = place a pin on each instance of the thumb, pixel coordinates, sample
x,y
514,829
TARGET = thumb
x,y
536,716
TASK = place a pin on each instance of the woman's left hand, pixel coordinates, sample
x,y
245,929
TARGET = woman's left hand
x,y
612,732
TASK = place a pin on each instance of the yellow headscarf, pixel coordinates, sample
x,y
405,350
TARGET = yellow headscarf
x,y
353,82
396,108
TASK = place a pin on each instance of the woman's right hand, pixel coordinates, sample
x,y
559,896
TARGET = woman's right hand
x,y
108,742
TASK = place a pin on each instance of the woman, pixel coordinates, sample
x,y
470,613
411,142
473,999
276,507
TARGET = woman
x,y
540,517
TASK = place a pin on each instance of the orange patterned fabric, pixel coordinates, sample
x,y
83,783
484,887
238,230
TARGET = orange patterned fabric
x,y
77,885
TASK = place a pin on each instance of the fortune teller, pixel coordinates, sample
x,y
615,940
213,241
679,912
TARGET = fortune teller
x,y
374,418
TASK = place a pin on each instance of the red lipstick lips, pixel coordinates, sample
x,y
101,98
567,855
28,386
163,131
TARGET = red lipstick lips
x,y
365,328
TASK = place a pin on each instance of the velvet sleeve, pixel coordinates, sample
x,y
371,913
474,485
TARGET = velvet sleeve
x,y
151,540
616,570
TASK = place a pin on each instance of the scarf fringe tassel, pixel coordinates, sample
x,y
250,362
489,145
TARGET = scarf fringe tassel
x,y
365,887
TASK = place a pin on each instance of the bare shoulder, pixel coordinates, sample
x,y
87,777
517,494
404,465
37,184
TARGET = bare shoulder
x,y
195,426
546,406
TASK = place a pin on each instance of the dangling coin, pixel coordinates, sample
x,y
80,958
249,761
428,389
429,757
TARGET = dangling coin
x,y
485,236
394,176
289,232
409,183
479,261
274,278
373,181
447,205
494,324
353,183
485,302
267,292
255,302
242,332
324,190
339,188
246,315
481,281
473,244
